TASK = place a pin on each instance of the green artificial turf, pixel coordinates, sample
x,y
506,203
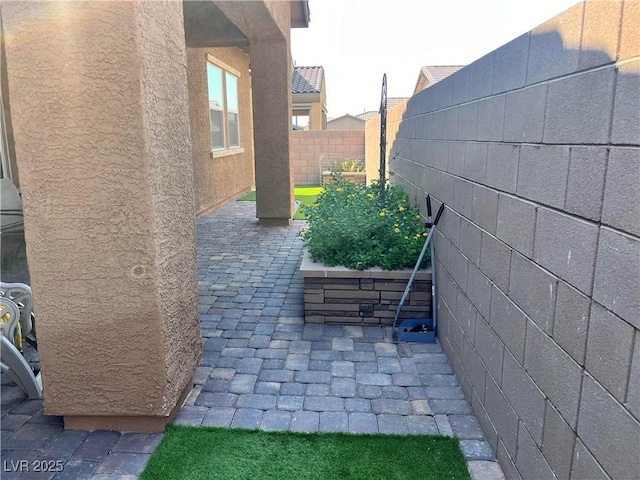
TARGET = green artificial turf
x,y
219,453
305,194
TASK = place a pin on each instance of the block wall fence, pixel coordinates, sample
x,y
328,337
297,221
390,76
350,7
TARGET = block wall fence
x,y
534,148
311,149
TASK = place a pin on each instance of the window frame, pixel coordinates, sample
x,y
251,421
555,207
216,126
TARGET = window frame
x,y
228,148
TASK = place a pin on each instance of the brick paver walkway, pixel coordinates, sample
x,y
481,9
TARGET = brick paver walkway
x,y
263,367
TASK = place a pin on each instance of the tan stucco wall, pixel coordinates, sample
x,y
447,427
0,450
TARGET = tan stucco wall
x,y
372,140
100,114
219,179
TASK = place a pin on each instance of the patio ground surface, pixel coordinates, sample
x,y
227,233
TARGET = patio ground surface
x,y
263,367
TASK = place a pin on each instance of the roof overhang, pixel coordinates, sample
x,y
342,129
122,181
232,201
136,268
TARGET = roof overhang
x,y
300,15
205,25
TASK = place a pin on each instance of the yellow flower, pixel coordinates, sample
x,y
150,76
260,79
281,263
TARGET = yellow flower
x,y
425,234
397,230
382,214
418,217
406,238
401,209
370,195
339,189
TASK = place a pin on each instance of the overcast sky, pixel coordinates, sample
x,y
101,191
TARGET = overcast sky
x,y
356,41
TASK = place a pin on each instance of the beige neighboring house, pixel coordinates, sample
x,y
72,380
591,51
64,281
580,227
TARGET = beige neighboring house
x,y
309,97
432,74
346,122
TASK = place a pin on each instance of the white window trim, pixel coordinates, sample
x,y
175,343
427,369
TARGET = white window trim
x,y
226,150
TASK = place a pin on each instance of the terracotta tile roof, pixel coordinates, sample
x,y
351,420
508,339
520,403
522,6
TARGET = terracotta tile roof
x,y
307,79
435,73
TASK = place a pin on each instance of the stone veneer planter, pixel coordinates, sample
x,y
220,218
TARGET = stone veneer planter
x,y
341,295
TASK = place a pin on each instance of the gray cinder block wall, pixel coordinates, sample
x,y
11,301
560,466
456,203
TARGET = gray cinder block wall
x,y
534,148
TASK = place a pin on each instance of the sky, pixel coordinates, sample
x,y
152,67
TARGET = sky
x,y
357,41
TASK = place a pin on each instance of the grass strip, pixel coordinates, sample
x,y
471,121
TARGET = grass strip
x,y
195,453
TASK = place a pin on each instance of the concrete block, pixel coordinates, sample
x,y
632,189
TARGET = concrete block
x,y
470,241
483,419
566,246
485,208
491,119
530,462
584,465
524,396
558,440
609,351
516,223
502,166
431,181
468,121
570,321
455,165
495,260
460,89
507,463
587,97
509,322
463,197
549,56
446,189
444,93
586,181
450,224
621,207
446,287
616,284
533,290
450,123
510,65
437,125
441,156
481,77
475,161
542,174
474,368
633,394
524,114
555,373
502,416
617,451
629,40
442,248
490,348
600,33
459,265
466,315
479,290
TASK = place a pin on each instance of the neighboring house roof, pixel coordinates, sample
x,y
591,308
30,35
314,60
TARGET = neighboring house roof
x,y
368,115
393,101
432,74
307,79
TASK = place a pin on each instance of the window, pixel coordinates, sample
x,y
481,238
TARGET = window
x,y
223,107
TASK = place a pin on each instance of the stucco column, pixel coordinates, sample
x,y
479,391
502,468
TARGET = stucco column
x,y
99,104
271,83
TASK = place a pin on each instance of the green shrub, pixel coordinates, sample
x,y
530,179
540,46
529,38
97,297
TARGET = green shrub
x,y
349,226
351,165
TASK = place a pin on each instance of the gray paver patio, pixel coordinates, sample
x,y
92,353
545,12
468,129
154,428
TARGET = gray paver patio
x,y
263,367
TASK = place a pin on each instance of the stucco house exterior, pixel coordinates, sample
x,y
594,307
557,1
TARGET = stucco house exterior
x,y
346,122
125,121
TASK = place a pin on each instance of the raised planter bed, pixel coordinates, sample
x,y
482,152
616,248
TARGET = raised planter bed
x,y
341,295
355,177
